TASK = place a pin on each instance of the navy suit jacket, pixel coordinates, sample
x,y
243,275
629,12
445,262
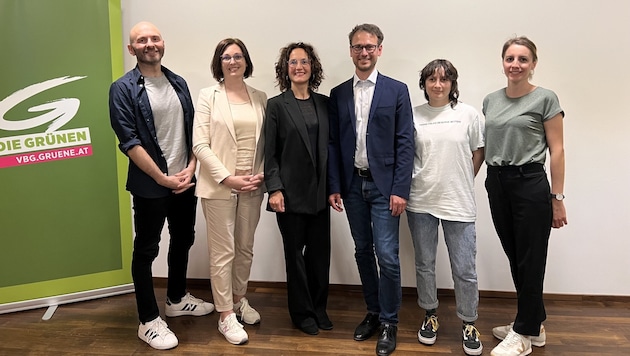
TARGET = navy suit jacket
x,y
390,144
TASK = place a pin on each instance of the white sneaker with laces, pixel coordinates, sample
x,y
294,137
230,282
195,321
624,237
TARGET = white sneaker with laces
x,y
500,332
246,313
514,344
157,334
189,305
233,330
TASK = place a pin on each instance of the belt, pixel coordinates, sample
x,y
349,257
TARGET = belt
x,y
364,173
526,168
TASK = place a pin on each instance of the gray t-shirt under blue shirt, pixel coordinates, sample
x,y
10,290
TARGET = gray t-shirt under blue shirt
x,y
168,117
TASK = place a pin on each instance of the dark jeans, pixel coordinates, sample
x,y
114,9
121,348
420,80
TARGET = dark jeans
x,y
306,240
375,230
520,204
149,216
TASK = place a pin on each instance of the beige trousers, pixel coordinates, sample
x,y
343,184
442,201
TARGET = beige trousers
x,y
231,225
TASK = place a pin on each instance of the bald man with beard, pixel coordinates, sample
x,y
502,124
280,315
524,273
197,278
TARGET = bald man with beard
x,y
151,112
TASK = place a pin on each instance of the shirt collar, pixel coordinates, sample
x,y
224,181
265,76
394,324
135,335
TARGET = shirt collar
x,y
371,78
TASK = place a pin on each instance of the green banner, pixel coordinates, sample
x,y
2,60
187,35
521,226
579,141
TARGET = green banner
x,y
65,217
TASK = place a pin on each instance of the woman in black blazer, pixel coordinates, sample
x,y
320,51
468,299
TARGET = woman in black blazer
x,y
296,140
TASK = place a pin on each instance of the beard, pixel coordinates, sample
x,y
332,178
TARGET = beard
x,y
365,65
151,57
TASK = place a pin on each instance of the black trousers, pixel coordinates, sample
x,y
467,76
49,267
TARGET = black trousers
x,y
520,205
306,240
149,217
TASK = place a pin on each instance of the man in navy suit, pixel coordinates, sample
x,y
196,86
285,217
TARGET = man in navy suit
x,y
370,163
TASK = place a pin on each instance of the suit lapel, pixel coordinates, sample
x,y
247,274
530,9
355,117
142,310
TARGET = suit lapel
x,y
322,144
295,114
378,91
258,110
350,102
221,102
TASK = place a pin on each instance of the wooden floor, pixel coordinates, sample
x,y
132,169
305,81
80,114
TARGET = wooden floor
x,y
576,326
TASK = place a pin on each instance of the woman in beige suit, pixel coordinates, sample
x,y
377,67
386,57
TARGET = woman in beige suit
x,y
228,142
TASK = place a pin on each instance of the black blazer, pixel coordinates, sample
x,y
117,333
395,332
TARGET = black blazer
x,y
290,164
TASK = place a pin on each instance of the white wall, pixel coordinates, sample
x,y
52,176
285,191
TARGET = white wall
x,y
584,53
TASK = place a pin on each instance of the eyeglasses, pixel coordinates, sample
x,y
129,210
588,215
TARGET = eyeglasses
x,y
304,62
227,58
359,48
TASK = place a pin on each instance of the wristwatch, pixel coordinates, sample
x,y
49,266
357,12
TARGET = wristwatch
x,y
558,196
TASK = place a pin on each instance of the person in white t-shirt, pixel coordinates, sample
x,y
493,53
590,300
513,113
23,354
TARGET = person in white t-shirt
x,y
449,150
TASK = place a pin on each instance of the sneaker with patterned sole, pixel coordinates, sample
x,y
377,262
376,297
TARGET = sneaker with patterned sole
x,y
189,305
514,344
500,332
245,313
233,330
428,331
471,343
157,334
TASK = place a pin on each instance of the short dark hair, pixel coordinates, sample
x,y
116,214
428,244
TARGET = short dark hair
x,y
217,69
369,28
523,41
450,73
282,66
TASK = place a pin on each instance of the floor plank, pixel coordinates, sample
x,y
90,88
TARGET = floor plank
x,y
108,327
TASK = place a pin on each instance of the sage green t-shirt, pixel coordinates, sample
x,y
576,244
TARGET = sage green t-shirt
x,y
515,134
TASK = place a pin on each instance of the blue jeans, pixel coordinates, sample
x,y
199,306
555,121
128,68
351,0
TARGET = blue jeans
x,y
461,242
374,229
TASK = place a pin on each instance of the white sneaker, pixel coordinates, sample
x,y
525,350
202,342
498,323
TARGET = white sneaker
x,y
189,305
514,344
246,313
232,330
157,334
500,332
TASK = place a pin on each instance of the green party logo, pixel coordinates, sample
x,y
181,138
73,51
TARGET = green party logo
x,y
52,144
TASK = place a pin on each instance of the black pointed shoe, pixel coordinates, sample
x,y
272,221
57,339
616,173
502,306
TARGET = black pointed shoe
x,y
308,326
323,322
367,328
386,343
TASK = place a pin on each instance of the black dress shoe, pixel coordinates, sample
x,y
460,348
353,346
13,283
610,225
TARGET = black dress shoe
x,y
386,343
323,322
367,328
309,326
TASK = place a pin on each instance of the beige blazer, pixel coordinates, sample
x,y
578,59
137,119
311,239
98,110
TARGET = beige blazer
x,y
214,140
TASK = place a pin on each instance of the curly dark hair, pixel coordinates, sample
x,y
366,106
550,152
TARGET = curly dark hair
x,y
217,69
450,72
282,66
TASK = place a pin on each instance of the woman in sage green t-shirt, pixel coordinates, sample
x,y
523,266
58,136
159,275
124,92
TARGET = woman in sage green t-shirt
x,y
522,122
